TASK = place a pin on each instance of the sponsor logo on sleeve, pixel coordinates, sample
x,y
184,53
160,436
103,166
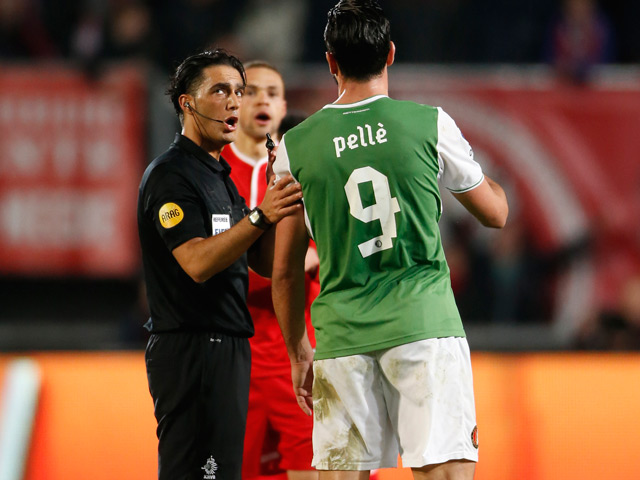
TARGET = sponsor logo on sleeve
x,y
170,215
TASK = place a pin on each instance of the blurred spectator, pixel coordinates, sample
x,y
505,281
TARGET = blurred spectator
x,y
160,32
87,38
618,328
448,31
497,279
128,33
23,34
423,36
624,17
485,31
272,31
580,38
518,292
503,31
506,278
314,48
189,26
119,29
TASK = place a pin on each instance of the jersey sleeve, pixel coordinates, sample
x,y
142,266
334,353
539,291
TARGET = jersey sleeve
x,y
281,165
459,172
175,209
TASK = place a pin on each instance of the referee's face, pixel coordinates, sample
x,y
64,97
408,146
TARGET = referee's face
x,y
216,104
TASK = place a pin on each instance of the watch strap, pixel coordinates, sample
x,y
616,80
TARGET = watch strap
x,y
258,219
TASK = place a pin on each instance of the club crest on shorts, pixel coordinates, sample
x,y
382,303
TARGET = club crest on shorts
x,y
474,437
210,469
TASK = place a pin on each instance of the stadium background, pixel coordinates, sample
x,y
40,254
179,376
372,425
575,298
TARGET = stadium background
x,y
550,303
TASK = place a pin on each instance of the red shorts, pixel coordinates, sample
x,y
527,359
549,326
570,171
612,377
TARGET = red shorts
x,y
278,435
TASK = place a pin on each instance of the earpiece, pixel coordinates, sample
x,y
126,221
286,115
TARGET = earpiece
x,y
187,105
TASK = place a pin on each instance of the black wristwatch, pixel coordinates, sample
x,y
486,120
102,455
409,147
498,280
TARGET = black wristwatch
x,y
257,219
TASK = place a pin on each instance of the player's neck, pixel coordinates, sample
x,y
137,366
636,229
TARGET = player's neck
x,y
251,147
351,91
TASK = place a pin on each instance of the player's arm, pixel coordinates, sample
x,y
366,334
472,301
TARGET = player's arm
x,y
463,176
288,293
487,202
201,258
260,255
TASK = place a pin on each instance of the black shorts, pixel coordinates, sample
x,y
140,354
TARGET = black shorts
x,y
199,383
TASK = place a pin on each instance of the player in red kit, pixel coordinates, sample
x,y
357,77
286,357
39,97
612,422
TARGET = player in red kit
x,y
278,435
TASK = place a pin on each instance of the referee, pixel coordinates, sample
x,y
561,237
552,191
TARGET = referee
x,y
198,238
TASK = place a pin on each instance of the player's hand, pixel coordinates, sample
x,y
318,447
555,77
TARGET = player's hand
x,y
302,378
281,199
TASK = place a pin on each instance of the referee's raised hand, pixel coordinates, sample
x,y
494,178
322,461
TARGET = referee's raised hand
x,y
282,198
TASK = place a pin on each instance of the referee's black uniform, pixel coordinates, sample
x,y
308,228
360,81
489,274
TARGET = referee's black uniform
x,y
198,357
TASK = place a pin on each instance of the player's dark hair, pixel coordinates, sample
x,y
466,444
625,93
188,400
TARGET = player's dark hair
x,y
358,35
188,76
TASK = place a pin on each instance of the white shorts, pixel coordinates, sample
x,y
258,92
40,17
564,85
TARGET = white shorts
x,y
415,400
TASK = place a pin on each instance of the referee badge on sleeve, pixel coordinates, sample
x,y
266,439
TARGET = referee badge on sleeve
x,y
170,215
220,223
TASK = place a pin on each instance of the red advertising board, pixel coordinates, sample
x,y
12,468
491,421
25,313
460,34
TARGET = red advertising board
x,y
71,154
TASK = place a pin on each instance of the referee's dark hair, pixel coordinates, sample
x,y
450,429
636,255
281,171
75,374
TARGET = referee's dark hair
x,y
358,35
188,75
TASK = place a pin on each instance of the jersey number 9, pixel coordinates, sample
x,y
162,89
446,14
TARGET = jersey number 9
x,y
384,208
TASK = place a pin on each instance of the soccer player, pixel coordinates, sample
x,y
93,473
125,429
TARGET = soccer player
x,y
392,371
277,431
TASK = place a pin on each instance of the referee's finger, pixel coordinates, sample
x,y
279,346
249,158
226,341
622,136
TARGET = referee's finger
x,y
284,182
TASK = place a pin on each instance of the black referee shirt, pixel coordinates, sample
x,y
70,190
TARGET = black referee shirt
x,y
185,193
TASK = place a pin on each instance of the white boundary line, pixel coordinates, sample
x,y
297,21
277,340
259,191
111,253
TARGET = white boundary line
x,y
18,408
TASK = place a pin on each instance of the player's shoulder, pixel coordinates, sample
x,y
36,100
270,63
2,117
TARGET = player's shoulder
x,y
413,106
308,122
301,130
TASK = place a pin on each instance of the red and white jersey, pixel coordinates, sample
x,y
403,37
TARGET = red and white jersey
x,y
248,174
269,354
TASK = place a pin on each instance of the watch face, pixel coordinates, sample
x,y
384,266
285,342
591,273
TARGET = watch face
x,y
254,216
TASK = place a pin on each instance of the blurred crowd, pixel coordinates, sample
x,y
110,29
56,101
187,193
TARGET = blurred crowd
x,y
572,34
509,280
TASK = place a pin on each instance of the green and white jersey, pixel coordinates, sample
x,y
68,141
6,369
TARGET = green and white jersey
x,y
369,173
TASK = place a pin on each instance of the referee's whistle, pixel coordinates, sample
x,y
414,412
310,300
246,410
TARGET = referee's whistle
x,y
270,144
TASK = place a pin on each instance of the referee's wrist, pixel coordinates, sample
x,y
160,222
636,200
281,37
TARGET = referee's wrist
x,y
258,219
